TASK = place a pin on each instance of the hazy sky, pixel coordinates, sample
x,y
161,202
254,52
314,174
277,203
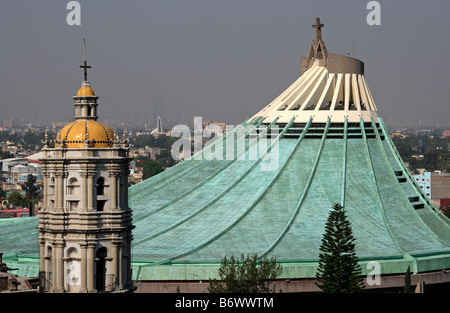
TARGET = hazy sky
x,y
220,59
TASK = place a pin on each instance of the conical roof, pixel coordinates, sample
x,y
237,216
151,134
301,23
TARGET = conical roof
x,y
318,143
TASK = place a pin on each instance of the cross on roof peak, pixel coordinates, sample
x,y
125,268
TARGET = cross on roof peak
x,y
318,26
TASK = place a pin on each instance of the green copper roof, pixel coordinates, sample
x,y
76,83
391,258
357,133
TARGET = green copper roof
x,y
199,211
190,216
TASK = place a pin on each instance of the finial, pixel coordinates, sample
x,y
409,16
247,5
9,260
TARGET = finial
x,y
85,66
46,142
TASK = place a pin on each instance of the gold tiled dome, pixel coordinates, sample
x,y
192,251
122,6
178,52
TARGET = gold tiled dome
x,y
85,91
73,135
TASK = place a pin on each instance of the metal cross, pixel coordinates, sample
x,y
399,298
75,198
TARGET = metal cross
x,y
85,66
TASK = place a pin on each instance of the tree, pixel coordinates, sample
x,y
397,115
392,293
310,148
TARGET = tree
x,y
30,186
31,191
338,270
15,198
165,158
151,168
246,275
2,194
407,288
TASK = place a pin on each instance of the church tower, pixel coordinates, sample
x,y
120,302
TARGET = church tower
x,y
85,224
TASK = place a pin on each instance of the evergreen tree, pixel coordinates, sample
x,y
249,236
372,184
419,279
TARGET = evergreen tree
x,y
246,275
31,193
407,288
338,270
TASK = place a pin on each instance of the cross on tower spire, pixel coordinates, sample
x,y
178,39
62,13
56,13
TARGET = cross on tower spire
x,y
85,66
318,33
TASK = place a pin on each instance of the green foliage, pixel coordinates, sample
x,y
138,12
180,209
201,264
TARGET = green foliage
x,y
5,154
28,139
165,158
150,168
338,270
246,275
31,192
30,186
15,199
433,148
161,141
407,288
2,194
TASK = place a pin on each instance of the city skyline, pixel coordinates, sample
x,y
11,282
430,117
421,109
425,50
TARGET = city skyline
x,y
220,60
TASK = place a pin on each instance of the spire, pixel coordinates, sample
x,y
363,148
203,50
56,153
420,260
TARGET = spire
x,y
85,66
85,99
317,49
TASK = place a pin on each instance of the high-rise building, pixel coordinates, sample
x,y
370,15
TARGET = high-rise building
x,y
159,111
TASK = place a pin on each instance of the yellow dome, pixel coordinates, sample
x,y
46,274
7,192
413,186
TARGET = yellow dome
x,y
85,91
73,135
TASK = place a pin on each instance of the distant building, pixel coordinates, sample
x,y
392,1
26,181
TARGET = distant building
x,y
424,182
159,111
16,170
436,185
446,133
222,125
10,213
19,173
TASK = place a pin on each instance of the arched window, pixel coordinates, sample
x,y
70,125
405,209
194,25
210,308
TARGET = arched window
x,y
100,268
73,187
46,275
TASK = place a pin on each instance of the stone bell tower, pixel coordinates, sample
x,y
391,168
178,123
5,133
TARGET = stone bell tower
x,y
85,224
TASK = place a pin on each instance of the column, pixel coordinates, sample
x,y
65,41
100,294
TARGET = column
x,y
113,190
118,191
59,268
59,190
90,191
83,189
120,268
114,264
125,191
42,255
90,262
83,268
46,176
54,268
129,281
